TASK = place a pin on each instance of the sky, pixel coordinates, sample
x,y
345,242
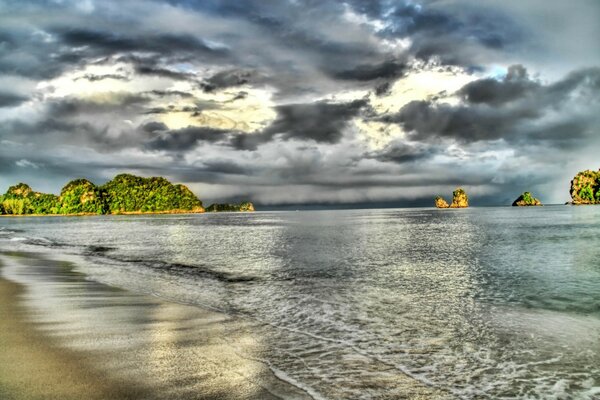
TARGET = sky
x,y
357,102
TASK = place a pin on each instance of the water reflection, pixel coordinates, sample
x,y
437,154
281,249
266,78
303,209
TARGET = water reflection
x,y
180,351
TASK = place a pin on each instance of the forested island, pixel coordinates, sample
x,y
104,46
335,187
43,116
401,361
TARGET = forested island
x,y
585,188
124,194
245,206
526,200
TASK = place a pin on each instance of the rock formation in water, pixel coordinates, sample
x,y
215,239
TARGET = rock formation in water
x,y
124,194
585,187
459,200
441,203
526,200
245,206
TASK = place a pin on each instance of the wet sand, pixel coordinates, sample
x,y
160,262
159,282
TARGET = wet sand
x,y
65,337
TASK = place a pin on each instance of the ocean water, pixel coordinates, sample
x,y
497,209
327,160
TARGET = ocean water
x,y
475,303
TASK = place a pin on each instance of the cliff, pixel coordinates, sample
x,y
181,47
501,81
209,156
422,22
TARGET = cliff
x,y
124,194
526,200
585,187
459,200
242,207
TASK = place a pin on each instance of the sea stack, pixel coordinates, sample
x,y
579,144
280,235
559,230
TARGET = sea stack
x,y
441,203
526,200
459,200
585,187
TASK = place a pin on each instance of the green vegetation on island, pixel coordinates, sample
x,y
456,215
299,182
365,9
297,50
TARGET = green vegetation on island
x,y
459,200
585,187
526,200
124,194
242,207
129,193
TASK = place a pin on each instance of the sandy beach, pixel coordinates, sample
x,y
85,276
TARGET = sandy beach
x,y
64,337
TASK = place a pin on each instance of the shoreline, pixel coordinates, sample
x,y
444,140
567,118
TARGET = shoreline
x,y
99,215
33,366
65,337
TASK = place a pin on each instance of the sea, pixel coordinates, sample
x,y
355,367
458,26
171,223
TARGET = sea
x,y
488,302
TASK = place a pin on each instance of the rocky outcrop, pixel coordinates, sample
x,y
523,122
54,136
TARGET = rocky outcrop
x,y
441,203
526,200
585,187
459,200
245,206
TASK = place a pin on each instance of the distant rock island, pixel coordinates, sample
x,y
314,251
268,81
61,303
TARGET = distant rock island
x,y
242,207
459,200
526,200
124,194
585,188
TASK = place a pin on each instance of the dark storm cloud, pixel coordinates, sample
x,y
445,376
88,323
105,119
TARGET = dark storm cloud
x,y
239,96
74,107
227,79
168,93
322,122
369,72
449,32
11,99
153,127
23,53
108,43
401,153
181,140
494,92
96,78
512,109
164,73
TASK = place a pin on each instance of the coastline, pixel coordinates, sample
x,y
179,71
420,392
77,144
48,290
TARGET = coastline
x,y
65,337
32,366
95,215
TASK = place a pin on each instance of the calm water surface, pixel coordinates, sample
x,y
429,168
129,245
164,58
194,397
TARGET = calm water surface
x,y
478,303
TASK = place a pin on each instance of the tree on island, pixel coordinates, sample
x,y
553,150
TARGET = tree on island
x,y
526,199
125,193
585,187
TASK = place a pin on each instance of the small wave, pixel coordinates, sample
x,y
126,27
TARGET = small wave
x,y
96,249
9,231
174,268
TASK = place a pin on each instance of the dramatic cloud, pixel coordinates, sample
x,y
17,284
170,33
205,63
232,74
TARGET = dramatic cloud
x,y
512,109
11,100
303,101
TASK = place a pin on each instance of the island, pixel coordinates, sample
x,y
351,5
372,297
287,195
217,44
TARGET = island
x,y
124,194
459,200
526,200
245,206
585,188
